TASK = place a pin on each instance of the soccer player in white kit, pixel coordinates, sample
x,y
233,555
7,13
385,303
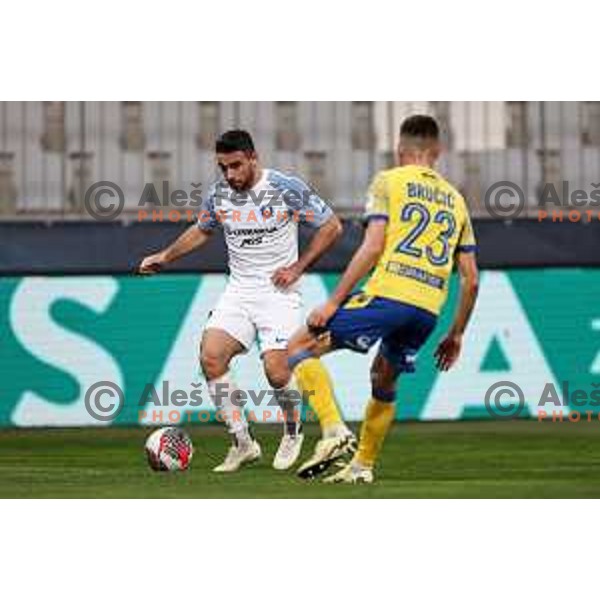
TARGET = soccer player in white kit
x,y
259,210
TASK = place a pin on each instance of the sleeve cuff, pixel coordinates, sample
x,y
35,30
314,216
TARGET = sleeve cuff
x,y
205,226
472,248
376,217
321,219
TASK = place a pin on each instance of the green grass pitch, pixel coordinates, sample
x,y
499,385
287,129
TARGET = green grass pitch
x,y
470,459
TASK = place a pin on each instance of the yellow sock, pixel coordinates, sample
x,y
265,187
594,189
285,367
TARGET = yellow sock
x,y
312,376
378,418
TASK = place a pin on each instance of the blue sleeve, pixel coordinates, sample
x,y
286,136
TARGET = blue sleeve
x,y
207,217
302,199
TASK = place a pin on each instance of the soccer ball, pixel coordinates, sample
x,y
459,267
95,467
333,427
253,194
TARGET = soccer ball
x,y
169,449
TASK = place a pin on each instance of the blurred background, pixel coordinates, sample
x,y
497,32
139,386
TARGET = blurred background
x,y
50,152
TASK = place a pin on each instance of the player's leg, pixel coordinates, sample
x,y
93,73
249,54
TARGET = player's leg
x,y
277,316
314,381
379,415
288,400
410,329
227,334
357,325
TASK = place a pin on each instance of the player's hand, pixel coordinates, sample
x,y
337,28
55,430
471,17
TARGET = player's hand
x,y
286,276
319,317
448,351
152,264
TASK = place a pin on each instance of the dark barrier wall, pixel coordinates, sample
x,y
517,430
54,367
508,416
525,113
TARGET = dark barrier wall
x,y
86,247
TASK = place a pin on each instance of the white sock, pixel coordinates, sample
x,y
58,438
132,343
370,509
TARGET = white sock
x,y
221,390
290,403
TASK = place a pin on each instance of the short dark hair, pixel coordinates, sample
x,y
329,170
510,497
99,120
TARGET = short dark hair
x,y
235,140
420,126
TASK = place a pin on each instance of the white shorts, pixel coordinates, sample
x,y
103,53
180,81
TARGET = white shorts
x,y
270,317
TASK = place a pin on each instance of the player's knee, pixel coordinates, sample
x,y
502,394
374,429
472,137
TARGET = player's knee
x,y
304,341
298,357
278,377
299,341
214,364
384,394
383,385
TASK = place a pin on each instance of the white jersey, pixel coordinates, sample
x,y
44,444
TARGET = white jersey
x,y
261,225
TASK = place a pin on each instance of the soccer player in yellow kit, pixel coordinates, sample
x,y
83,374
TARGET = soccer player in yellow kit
x,y
418,228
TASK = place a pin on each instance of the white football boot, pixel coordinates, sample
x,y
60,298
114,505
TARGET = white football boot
x,y
327,452
352,473
239,455
288,452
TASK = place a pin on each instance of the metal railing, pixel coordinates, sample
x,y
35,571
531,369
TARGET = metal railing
x,y
51,152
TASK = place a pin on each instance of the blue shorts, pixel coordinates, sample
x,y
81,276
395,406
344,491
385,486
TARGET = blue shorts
x,y
364,320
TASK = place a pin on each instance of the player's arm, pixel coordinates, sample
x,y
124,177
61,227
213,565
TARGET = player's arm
x,y
327,234
367,255
449,349
193,237
362,262
315,212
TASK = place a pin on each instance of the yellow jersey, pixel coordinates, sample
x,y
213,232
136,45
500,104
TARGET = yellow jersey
x,y
427,223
